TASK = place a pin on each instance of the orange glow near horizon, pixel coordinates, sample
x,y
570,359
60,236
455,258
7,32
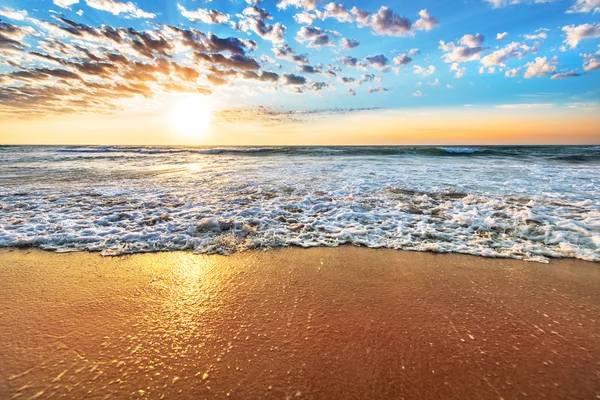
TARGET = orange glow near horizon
x,y
188,122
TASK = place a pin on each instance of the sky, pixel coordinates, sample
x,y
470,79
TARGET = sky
x,y
248,72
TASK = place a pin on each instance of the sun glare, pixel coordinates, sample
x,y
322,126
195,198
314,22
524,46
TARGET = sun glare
x,y
191,116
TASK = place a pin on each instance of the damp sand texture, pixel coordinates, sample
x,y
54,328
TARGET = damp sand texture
x,y
346,322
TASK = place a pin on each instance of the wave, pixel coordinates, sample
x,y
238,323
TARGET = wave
x,y
149,150
136,221
567,154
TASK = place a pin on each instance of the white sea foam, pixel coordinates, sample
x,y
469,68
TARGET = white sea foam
x,y
186,200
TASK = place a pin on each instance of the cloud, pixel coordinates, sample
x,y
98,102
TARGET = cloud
x,y
459,54
424,72
377,89
501,36
11,13
504,3
537,36
575,34
291,79
204,16
275,116
418,93
510,51
117,8
314,37
459,71
540,67
65,3
11,36
414,52
352,92
305,4
585,6
195,40
588,106
426,22
285,52
402,59
525,106
348,44
378,62
253,20
472,40
352,62
568,74
590,62
384,22
234,61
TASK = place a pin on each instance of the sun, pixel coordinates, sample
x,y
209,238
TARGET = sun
x,y
191,116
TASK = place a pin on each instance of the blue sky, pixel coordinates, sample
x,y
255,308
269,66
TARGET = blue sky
x,y
435,54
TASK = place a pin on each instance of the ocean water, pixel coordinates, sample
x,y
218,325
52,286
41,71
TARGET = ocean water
x,y
531,203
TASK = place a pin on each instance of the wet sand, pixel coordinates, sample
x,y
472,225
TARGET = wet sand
x,y
347,323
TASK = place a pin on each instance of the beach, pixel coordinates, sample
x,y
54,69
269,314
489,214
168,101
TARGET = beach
x,y
317,323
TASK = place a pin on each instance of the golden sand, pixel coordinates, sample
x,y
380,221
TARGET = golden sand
x,y
343,323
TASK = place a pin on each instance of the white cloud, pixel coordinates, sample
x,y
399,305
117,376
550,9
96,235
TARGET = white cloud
x,y
512,50
472,40
117,8
11,13
65,3
504,3
501,36
314,37
423,71
459,71
577,33
426,22
418,93
458,54
590,62
537,36
526,106
540,67
402,59
204,16
585,6
305,4
384,22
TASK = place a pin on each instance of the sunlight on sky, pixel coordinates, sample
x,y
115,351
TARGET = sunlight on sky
x,y
191,117
189,72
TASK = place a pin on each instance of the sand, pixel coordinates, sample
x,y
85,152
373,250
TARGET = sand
x,y
342,323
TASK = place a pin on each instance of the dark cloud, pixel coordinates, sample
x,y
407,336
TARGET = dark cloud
x,y
276,116
379,61
308,69
291,79
234,61
285,52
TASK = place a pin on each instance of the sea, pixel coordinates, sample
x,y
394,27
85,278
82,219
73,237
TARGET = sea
x,y
524,202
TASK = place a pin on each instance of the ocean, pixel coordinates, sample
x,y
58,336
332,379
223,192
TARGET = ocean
x,y
524,202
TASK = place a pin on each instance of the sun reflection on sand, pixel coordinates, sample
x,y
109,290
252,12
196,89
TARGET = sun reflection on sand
x,y
317,323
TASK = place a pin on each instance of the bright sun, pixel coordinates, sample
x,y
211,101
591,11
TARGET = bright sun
x,y
191,116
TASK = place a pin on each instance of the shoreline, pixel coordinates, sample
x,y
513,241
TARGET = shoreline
x,y
549,259
318,323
